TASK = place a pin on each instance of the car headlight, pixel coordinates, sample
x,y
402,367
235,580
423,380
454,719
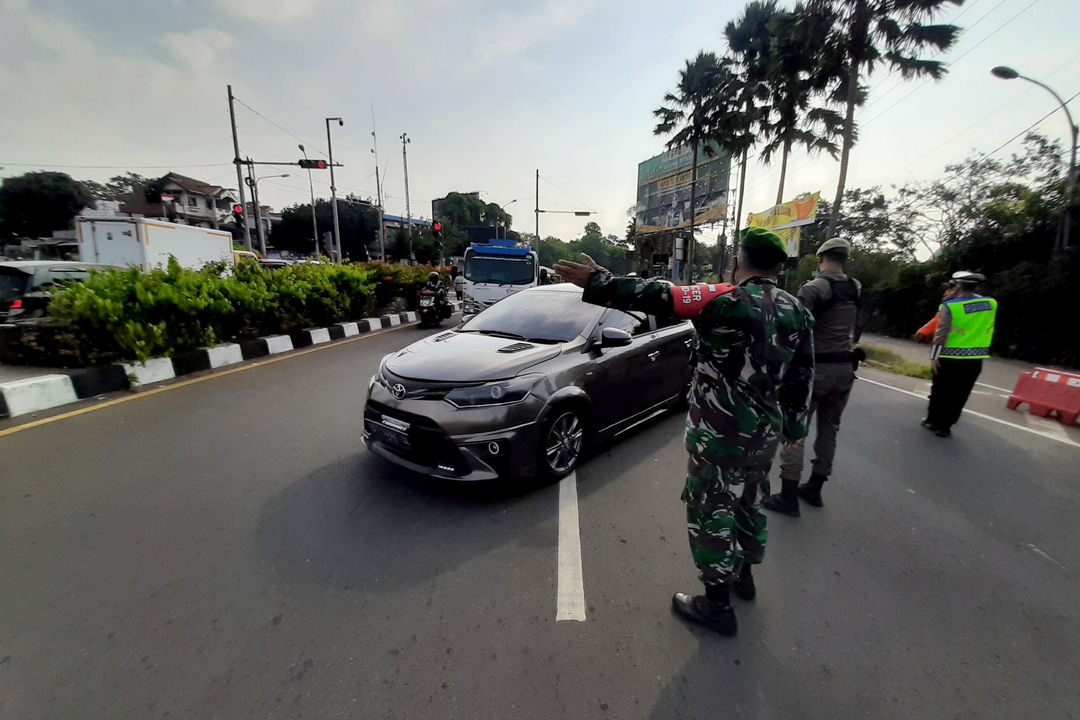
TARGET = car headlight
x,y
504,392
371,383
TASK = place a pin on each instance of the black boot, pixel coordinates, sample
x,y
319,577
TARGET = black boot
x,y
786,501
715,614
744,585
810,491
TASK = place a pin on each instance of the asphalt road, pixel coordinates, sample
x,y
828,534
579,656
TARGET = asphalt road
x,y
227,549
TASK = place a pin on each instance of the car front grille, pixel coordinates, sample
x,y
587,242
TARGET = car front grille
x,y
429,445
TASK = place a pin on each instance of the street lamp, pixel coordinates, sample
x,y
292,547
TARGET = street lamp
x,y
1007,73
503,207
253,183
333,190
314,223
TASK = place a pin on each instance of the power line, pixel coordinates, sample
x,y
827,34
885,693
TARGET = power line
x,y
1029,127
964,31
306,143
966,52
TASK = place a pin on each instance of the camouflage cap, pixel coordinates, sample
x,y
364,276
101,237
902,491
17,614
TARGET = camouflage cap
x,y
839,245
759,238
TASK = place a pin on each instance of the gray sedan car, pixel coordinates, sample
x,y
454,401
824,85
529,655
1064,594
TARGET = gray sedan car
x,y
524,387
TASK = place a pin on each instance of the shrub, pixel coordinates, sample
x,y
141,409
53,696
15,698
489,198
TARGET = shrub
x,y
139,315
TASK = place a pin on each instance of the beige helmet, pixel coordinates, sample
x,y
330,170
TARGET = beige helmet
x,y
836,245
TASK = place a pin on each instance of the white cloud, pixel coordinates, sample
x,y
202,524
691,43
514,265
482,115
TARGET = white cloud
x,y
201,49
275,11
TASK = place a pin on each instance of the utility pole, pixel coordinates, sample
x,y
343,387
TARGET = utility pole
x,y
254,185
537,212
314,223
333,190
239,172
378,188
408,212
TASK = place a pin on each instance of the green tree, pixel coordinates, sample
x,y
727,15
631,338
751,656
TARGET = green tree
x,y
867,33
462,210
357,218
552,250
798,83
687,115
118,187
37,203
750,41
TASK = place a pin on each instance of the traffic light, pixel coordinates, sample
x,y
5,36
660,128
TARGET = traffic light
x,y
238,214
436,234
312,164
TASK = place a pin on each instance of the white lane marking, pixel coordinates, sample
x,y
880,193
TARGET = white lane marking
x,y
570,603
1037,551
995,387
1041,433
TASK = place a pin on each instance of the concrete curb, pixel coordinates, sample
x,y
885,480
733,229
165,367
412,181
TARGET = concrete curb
x,y
43,392
28,395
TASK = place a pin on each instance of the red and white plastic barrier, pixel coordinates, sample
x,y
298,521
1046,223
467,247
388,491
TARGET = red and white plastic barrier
x,y
1048,391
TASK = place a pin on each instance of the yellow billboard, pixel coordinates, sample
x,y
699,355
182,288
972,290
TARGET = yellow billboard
x,y
786,219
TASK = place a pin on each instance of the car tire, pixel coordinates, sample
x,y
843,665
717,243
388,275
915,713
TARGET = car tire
x,y
562,442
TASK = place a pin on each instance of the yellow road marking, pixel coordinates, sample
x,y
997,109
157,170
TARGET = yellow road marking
x,y
192,381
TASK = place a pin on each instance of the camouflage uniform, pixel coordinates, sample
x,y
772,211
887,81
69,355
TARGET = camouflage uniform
x,y
754,366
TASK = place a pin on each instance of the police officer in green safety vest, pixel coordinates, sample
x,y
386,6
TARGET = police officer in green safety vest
x,y
962,341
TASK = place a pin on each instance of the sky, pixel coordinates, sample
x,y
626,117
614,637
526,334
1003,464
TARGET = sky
x,y
487,92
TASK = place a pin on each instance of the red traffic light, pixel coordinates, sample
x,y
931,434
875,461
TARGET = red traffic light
x,y
438,226
308,164
238,208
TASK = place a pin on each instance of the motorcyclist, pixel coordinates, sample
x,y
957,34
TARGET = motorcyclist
x,y
434,284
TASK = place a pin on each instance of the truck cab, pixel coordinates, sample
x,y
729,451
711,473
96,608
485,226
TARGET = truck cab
x,y
494,270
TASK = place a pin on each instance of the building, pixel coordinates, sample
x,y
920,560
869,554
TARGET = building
x,y
183,199
663,188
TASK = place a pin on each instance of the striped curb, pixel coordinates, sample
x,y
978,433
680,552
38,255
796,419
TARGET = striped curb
x,y
43,392
28,395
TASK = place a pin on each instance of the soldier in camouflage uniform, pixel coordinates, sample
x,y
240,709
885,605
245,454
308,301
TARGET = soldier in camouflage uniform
x,y
755,364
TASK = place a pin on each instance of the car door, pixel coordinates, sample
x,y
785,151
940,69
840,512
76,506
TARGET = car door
x,y
673,338
620,379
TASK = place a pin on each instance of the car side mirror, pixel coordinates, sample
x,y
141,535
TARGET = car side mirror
x,y
614,337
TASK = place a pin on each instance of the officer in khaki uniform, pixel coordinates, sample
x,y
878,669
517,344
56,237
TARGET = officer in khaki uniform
x,y
833,298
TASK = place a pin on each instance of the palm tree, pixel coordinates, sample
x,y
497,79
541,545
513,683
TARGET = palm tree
x,y
892,32
687,114
796,77
750,42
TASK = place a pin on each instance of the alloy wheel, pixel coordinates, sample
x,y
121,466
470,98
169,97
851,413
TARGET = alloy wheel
x,y
563,444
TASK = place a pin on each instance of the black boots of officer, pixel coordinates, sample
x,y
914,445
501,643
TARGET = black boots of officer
x,y
787,500
810,491
713,609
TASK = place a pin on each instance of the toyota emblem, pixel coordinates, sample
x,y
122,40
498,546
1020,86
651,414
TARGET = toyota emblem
x,y
398,391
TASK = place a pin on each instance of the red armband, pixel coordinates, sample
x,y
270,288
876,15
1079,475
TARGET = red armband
x,y
690,300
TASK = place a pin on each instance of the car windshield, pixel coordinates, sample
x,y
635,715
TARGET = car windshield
x,y
12,284
536,316
502,270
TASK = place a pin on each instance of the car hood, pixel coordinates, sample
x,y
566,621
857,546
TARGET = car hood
x,y
467,357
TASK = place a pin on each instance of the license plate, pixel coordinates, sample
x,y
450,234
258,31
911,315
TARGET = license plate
x,y
426,302
395,439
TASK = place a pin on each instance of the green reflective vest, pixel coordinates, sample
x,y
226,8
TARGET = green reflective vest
x,y
972,327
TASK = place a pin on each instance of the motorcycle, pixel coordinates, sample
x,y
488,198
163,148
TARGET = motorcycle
x,y
434,307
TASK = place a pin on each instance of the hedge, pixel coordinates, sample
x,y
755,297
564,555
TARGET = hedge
x,y
134,315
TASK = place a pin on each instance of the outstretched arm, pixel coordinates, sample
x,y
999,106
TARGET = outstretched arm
x,y
628,293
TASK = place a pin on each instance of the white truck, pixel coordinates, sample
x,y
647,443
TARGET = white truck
x,y
147,243
494,270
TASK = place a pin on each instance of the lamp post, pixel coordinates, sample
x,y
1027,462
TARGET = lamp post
x,y
314,222
253,183
333,190
1007,73
378,192
503,207
408,211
